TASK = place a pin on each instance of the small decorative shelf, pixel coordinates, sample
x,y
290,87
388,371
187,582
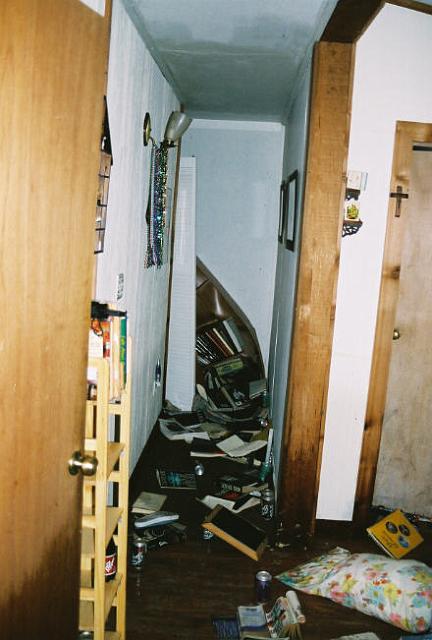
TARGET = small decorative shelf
x,y
350,227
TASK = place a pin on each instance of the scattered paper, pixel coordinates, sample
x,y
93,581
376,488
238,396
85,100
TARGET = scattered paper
x,y
237,448
175,431
212,501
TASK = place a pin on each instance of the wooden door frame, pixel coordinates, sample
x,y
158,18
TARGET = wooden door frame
x,y
316,288
406,134
314,313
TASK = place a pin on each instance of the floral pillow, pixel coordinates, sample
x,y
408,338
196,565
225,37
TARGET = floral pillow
x,y
396,591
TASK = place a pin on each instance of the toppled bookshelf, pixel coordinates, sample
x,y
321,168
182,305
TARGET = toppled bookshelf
x,y
228,357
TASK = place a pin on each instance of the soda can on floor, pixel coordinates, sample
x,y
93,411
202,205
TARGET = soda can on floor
x,y
139,548
267,504
262,586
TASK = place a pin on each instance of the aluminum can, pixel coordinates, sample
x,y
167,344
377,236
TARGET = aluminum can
x,y
207,535
139,548
268,504
110,561
262,586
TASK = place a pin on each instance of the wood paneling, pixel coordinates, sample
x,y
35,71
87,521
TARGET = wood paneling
x,y
318,269
53,60
406,134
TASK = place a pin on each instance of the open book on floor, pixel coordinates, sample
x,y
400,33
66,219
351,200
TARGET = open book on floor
x,y
282,621
148,502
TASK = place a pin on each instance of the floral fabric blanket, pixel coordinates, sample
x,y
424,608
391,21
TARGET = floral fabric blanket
x,y
396,591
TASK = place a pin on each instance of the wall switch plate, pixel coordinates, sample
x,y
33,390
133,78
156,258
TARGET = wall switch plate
x,y
120,285
356,180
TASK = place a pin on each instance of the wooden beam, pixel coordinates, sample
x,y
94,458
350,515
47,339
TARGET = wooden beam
x,y
412,4
350,19
318,270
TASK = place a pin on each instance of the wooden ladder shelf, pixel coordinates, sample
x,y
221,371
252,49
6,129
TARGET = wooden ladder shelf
x,y
107,432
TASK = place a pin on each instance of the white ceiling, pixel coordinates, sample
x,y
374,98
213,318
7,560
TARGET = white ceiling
x,y
236,59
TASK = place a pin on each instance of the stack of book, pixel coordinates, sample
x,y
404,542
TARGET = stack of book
x,y
230,386
227,385
108,339
217,341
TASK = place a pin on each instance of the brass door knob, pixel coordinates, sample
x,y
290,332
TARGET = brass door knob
x,y
396,334
86,464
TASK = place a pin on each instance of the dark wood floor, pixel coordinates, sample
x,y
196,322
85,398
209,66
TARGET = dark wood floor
x,y
181,586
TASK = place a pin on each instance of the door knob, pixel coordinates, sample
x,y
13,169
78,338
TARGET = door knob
x,y
396,334
86,464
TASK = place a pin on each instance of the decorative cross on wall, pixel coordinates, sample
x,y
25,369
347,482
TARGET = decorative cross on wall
x,y
399,195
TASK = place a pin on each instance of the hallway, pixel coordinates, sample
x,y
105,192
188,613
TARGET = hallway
x,y
181,586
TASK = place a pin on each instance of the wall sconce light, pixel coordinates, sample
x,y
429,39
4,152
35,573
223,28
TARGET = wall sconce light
x,y
177,124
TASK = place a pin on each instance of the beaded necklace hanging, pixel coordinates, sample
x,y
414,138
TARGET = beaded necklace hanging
x,y
156,206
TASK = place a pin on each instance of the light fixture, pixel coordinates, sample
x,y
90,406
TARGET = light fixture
x,y
147,130
177,124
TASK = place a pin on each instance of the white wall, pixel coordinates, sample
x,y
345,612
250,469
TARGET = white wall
x,y
135,85
96,5
392,82
287,263
238,177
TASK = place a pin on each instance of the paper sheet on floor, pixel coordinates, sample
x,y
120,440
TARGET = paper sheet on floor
x,y
237,448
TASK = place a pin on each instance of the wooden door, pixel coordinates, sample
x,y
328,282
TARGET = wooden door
x,y
402,223
53,57
405,464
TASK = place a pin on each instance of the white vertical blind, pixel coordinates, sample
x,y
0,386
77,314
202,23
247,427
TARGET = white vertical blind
x,y
180,387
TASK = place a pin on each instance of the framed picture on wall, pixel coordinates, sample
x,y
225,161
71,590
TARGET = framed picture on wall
x,y
282,210
291,210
